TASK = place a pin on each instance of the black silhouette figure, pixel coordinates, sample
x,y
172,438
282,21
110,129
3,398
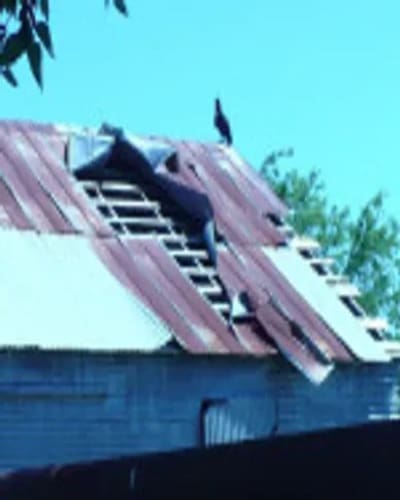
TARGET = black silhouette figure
x,y
221,123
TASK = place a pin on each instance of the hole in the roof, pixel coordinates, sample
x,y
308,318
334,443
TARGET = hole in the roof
x,y
135,206
117,227
320,269
306,253
274,218
353,306
105,211
376,334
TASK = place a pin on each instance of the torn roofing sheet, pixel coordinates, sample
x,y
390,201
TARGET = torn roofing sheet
x,y
247,269
12,215
199,186
312,355
137,278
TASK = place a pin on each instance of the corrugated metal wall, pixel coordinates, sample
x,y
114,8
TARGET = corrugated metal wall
x,y
62,407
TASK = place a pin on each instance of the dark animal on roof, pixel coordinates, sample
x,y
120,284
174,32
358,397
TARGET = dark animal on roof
x,y
221,123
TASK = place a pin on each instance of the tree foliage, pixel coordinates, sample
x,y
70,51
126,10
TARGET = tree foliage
x,y
365,246
25,31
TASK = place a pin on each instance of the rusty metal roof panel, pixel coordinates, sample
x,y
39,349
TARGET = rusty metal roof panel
x,y
51,149
238,217
290,346
261,192
12,215
258,196
17,172
40,184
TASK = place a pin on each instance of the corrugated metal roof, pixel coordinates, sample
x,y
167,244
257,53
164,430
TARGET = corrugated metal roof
x,y
55,294
90,275
240,214
33,171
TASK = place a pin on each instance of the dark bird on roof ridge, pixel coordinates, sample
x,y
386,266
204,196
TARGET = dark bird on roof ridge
x,y
221,123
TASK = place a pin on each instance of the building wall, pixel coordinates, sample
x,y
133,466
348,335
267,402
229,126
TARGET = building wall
x,y
58,407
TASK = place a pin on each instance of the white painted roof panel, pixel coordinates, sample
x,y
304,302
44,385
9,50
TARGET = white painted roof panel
x,y
324,301
56,293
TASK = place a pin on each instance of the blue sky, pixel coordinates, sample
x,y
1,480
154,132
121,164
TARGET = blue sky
x,y
322,78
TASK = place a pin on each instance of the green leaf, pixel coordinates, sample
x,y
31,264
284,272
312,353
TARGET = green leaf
x,y
44,8
9,76
13,49
35,61
120,5
42,29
